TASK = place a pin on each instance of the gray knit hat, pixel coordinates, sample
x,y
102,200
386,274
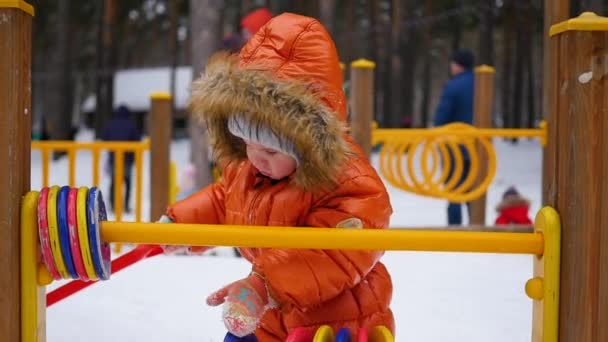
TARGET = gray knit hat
x,y
241,126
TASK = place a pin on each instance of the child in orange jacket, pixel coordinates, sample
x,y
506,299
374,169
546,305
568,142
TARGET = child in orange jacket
x,y
275,115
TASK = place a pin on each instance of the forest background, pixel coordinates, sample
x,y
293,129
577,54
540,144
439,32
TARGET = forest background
x,y
79,46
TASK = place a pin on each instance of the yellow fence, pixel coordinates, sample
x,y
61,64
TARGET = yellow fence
x,y
430,162
96,149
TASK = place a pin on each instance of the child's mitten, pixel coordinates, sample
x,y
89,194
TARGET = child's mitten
x,y
245,301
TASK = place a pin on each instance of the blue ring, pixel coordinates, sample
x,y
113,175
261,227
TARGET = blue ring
x,y
64,231
343,335
100,252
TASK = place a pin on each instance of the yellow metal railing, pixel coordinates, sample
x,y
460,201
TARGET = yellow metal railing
x,y
96,149
430,162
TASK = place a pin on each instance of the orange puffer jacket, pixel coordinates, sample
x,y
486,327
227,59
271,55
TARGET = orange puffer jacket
x,y
288,78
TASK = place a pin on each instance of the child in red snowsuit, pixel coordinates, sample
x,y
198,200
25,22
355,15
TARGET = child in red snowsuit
x,y
513,209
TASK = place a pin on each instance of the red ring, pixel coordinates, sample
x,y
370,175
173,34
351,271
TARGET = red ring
x,y
43,235
73,230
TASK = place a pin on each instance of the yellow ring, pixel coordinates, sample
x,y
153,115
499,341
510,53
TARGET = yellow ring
x,y
51,213
83,233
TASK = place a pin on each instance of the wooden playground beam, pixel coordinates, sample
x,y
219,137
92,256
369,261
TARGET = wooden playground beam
x,y
576,177
160,126
15,134
484,103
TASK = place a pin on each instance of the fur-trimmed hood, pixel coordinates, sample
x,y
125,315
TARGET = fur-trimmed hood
x,y
512,201
286,78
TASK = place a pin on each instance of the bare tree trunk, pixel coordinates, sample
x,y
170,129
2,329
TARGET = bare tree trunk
x,y
396,85
529,49
426,72
409,55
387,62
520,57
63,118
507,55
173,17
61,98
457,27
105,65
486,33
327,8
596,6
204,21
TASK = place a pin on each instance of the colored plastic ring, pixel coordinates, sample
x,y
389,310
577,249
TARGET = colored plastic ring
x,y
51,211
343,335
324,334
96,212
73,230
64,231
83,232
362,335
43,235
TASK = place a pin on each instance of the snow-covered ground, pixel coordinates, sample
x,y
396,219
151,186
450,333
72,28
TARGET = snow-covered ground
x,y
438,297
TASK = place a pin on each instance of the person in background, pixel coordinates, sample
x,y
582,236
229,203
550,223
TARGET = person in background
x,y
121,128
456,105
513,209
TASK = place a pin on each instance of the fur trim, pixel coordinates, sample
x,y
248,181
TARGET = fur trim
x,y
512,201
288,107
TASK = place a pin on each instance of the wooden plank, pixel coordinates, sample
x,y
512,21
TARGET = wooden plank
x,y
362,103
602,333
160,138
484,100
580,179
15,133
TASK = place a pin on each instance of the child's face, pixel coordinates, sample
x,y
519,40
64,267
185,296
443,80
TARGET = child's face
x,y
271,163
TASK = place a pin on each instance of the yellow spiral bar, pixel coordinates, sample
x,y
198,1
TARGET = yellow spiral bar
x,y
431,163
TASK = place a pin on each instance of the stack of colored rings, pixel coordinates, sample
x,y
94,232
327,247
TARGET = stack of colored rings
x,y
68,228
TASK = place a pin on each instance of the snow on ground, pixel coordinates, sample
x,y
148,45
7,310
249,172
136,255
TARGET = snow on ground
x,y
438,297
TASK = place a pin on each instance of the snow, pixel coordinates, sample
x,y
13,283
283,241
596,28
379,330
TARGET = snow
x,y
438,297
133,87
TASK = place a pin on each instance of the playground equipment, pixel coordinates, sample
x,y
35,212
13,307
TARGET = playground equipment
x,y
118,148
69,226
574,183
438,153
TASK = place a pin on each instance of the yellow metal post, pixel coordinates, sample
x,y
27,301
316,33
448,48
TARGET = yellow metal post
x,y
33,295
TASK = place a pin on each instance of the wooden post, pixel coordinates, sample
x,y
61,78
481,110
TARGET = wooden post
x,y
362,102
578,105
15,139
159,124
482,118
555,11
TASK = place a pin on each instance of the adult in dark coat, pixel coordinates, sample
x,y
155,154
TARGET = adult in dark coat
x,y
121,128
456,105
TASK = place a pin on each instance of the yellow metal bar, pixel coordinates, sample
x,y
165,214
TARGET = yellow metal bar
x,y
119,178
45,167
33,299
322,238
108,145
384,134
95,166
139,168
548,222
20,4
72,166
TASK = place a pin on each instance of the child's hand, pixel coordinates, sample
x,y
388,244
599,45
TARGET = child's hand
x,y
180,250
184,250
245,301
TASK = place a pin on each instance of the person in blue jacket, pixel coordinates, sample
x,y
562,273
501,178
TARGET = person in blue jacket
x,y
456,105
121,128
